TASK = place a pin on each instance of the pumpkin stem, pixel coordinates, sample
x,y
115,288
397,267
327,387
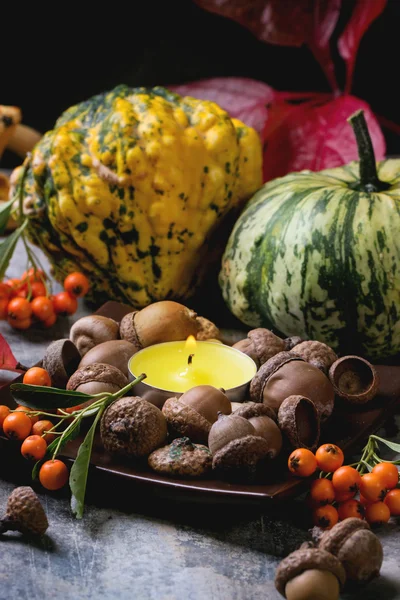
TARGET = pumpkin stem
x,y
369,180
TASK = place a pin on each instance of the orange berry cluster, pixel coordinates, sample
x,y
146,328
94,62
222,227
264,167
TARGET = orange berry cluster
x,y
25,300
23,425
344,492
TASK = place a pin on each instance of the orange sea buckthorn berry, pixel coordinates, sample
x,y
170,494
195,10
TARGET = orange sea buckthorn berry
x,y
3,308
302,462
42,308
388,474
19,309
392,501
77,284
350,508
34,275
27,411
33,447
53,474
372,488
329,457
37,376
65,304
377,513
38,289
4,412
344,496
325,516
346,479
364,501
20,324
40,427
17,426
49,322
322,492
5,290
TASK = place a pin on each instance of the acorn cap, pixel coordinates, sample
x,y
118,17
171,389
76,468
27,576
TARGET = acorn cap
x,y
25,510
333,539
259,380
207,329
354,379
305,559
186,421
127,329
132,427
261,345
61,360
97,372
181,458
316,353
240,458
298,419
248,410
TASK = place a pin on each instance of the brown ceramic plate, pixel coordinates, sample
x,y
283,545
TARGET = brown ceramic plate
x,y
347,427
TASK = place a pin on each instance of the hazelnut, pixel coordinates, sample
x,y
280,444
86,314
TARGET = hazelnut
x,y
316,353
260,344
60,360
97,378
238,453
299,420
132,427
181,458
286,374
24,513
207,330
115,352
263,418
310,574
195,411
356,546
354,379
92,330
163,321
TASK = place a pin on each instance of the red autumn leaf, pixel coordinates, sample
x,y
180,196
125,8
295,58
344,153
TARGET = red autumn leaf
x,y
8,362
243,98
292,23
364,13
316,136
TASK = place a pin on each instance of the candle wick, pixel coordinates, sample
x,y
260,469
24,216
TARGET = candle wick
x,y
190,359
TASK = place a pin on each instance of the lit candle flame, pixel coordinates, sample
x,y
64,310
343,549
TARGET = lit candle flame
x,y
190,344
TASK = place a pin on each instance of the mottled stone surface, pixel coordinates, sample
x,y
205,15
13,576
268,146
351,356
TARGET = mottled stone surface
x,y
133,544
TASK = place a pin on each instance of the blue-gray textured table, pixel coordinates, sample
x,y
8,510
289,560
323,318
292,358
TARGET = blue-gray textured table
x,y
132,545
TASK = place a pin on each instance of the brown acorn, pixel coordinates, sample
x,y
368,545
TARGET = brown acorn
x,y
163,321
354,379
263,419
260,344
207,329
24,513
316,353
299,420
193,414
286,374
310,574
61,360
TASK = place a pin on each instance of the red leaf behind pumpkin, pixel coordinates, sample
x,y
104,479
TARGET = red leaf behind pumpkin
x,y
294,23
8,362
243,98
315,136
364,13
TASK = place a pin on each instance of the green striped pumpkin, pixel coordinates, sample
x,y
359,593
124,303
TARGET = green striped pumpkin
x,y
318,255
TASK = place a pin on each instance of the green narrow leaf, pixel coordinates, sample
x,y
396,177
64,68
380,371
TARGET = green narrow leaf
x,y
79,472
391,445
71,435
5,212
7,248
43,397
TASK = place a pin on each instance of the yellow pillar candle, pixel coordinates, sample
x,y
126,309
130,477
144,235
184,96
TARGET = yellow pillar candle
x,y
178,366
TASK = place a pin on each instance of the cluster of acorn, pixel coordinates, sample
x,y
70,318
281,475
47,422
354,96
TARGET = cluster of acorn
x,y
347,555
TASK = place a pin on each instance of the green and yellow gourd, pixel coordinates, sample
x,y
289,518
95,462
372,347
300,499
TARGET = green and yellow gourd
x,y
318,255
130,185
